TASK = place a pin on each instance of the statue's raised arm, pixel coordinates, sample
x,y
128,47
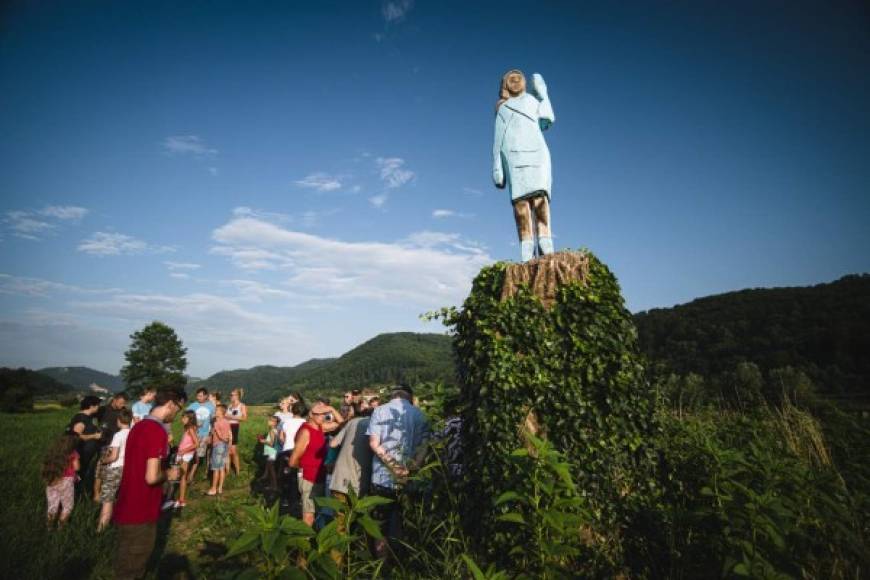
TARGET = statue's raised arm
x,y
521,159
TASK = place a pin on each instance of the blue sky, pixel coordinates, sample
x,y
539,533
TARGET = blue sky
x,y
280,181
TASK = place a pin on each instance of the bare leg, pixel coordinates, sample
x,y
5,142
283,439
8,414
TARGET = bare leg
x,y
541,206
105,515
523,218
234,458
182,490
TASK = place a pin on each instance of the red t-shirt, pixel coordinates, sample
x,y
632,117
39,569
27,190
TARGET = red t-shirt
x,y
138,502
311,461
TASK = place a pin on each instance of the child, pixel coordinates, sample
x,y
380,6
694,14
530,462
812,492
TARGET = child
x,y
270,442
113,466
186,451
220,437
59,473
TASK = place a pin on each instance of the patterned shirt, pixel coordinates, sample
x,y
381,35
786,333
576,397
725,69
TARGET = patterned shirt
x,y
402,428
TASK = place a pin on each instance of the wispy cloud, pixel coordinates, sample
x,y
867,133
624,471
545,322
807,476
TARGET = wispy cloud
x,y
379,200
36,224
115,244
213,171
320,181
188,145
472,191
427,268
64,212
395,10
392,172
24,286
174,266
449,213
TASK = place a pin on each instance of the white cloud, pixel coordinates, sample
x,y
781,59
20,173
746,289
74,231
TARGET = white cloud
x,y
253,291
115,244
179,275
188,145
173,266
34,225
392,172
25,286
443,213
321,182
23,224
396,10
379,200
64,212
427,268
472,191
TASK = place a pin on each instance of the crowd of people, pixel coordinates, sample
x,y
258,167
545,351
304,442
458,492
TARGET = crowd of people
x,y
125,458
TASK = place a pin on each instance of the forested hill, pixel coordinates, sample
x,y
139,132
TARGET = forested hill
x,y
386,359
32,382
823,330
83,377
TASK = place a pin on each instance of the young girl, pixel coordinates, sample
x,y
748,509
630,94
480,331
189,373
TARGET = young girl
x,y
220,438
270,444
59,473
186,451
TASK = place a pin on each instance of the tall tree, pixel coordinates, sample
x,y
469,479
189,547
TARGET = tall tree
x,y
156,358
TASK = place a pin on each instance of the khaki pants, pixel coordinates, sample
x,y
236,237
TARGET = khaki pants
x,y
135,544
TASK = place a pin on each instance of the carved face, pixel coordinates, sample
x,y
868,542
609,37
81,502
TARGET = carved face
x,y
515,83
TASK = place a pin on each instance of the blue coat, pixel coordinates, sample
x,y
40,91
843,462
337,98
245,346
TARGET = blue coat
x,y
521,159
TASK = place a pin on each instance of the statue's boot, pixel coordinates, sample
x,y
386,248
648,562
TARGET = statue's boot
x,y
527,250
546,245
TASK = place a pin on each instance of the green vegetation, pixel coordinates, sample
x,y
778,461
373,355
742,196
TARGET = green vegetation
x,y
571,371
18,387
385,359
156,358
822,331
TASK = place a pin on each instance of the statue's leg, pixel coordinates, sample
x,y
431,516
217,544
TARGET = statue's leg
x,y
523,217
541,206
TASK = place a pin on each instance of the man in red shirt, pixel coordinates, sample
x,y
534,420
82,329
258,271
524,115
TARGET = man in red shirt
x,y
137,508
308,455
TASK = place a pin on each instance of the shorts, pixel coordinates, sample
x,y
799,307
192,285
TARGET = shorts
x,y
186,458
309,491
270,452
111,483
202,447
60,496
219,452
234,430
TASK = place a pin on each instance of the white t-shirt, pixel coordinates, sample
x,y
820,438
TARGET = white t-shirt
x,y
120,441
290,427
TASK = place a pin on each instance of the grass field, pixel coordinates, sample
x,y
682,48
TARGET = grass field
x,y
194,538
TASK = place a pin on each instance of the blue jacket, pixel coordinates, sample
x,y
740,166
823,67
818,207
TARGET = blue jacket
x,y
521,159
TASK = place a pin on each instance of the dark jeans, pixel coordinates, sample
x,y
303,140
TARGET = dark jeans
x,y
288,484
135,544
390,515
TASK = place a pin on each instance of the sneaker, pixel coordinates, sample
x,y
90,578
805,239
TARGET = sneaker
x,y
180,504
168,504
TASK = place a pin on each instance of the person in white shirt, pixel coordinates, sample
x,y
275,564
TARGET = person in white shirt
x,y
290,484
113,466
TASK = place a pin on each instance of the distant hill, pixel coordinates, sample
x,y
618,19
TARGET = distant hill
x,y
385,359
823,330
34,382
83,377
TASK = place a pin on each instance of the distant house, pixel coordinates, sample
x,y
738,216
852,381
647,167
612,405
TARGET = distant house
x,y
95,388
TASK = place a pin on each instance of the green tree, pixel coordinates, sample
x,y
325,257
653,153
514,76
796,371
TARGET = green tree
x,y
156,358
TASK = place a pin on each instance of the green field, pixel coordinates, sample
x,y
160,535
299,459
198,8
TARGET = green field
x,y
197,535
